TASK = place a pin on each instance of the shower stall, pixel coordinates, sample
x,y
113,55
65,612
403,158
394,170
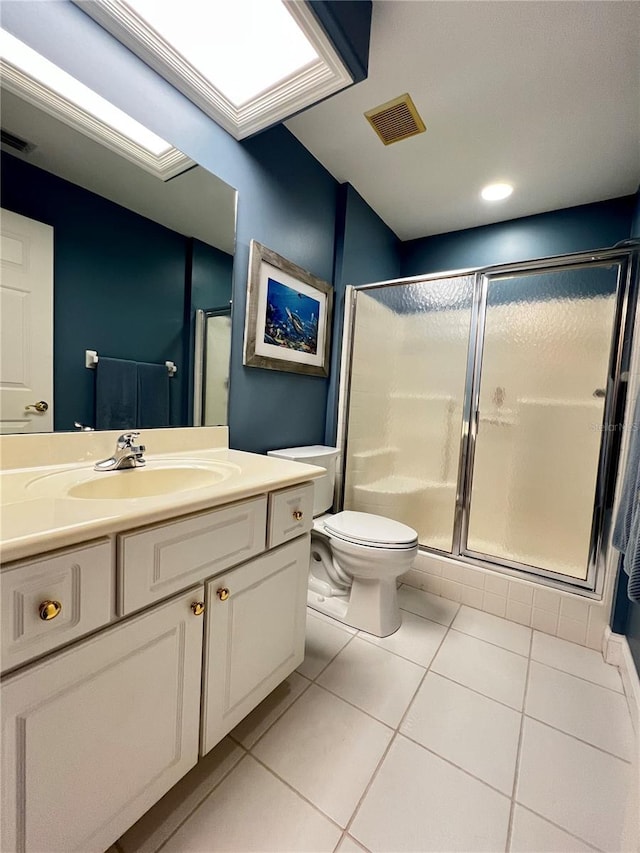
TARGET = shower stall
x,y
483,408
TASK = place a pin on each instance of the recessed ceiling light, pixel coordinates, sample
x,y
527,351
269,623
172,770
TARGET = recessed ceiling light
x,y
241,48
496,192
34,65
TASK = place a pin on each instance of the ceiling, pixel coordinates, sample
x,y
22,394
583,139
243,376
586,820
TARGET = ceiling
x,y
544,95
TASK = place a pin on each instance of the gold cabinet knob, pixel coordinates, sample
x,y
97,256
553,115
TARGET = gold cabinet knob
x,y
49,610
223,593
41,406
298,514
197,607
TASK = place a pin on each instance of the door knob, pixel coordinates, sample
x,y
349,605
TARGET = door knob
x,y
49,610
197,607
41,406
223,593
298,514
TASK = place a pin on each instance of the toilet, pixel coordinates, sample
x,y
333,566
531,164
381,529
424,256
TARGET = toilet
x,y
356,557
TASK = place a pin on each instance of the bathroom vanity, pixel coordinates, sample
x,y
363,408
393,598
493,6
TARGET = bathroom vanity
x,y
145,631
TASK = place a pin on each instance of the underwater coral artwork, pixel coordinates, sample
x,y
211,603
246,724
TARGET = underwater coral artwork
x,y
288,319
291,319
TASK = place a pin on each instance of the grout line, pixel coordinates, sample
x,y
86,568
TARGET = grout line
x,y
558,826
478,692
279,716
491,642
357,707
395,734
579,739
295,791
340,840
330,661
516,769
581,677
206,797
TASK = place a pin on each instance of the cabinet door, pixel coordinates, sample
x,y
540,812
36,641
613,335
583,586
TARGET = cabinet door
x,y
254,637
95,735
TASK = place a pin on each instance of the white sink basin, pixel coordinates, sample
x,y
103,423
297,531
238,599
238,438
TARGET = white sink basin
x,y
158,478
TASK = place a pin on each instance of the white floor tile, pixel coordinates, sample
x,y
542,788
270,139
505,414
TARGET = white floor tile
x,y
165,817
254,811
532,834
493,629
380,683
326,749
427,605
585,663
256,724
470,730
418,802
495,672
323,642
417,639
348,845
575,706
330,621
576,786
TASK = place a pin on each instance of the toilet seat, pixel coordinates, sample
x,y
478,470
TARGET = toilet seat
x,y
372,531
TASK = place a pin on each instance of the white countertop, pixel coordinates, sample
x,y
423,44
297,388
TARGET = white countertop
x,y
31,524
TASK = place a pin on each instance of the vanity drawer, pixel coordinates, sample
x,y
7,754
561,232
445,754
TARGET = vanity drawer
x,y
81,580
290,514
156,562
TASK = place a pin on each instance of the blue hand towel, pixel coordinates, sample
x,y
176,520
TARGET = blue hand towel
x,y
626,532
116,393
153,396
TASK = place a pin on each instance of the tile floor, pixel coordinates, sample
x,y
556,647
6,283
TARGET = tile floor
x,y
461,732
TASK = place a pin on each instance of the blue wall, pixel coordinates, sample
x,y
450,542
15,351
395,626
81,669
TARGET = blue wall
x,y
366,250
112,267
574,229
287,201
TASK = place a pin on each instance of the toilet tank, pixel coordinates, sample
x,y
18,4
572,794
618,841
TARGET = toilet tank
x,y
323,457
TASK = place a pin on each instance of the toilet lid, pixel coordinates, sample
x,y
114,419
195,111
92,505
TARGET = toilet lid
x,y
370,529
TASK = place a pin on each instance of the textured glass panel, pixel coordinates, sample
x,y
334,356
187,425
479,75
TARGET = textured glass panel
x,y
405,413
544,370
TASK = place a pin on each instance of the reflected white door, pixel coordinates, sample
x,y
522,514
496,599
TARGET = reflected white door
x,y
26,324
216,396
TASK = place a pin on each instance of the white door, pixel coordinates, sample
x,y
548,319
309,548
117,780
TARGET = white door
x,y
26,324
93,736
254,635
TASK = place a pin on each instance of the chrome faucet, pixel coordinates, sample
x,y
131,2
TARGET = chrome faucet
x,y
127,454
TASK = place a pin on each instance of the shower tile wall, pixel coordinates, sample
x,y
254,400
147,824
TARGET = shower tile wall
x,y
561,614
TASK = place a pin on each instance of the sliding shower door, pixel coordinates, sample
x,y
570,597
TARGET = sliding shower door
x,y
407,389
542,369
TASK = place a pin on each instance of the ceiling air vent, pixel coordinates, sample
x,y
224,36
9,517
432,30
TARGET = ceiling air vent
x,y
397,119
16,143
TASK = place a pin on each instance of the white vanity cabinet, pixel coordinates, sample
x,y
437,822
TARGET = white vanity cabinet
x,y
254,635
93,736
194,622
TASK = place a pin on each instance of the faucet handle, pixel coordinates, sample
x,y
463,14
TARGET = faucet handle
x,y
127,439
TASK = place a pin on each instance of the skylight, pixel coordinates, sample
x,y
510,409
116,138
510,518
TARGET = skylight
x,y
242,47
34,65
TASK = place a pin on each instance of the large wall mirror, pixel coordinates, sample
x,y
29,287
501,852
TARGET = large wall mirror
x,y
134,256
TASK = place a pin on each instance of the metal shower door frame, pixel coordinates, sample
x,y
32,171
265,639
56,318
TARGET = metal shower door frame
x,y
619,355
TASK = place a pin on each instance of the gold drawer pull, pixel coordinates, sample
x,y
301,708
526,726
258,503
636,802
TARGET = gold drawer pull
x,y
298,514
198,607
49,610
223,593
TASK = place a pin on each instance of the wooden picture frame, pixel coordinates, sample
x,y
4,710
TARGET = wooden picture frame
x,y
288,316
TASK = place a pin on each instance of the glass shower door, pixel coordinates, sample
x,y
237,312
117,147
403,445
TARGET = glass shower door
x,y
408,377
541,377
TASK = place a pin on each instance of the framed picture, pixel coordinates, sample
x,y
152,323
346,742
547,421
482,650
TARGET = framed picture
x,y
288,319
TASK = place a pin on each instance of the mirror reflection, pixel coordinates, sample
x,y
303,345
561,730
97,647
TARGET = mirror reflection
x,y
102,255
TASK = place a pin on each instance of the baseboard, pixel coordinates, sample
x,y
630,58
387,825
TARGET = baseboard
x,y
616,651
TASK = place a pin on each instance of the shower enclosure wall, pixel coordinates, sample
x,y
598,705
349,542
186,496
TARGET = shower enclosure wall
x,y
481,410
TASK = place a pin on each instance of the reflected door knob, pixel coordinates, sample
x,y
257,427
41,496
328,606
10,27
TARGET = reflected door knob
x,y
41,406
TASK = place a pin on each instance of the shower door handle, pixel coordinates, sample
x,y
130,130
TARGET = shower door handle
x,y
599,393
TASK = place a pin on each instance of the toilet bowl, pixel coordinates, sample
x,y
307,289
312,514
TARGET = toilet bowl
x,y
356,557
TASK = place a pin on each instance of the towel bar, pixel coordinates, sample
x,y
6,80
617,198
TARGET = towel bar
x,y
91,358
